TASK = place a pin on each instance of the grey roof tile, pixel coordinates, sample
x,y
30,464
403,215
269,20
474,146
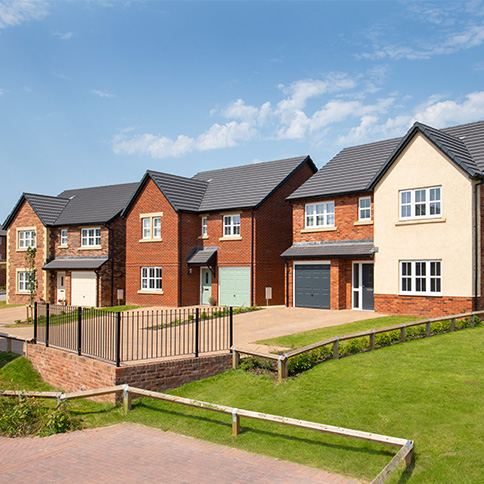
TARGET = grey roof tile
x,y
70,263
246,186
202,256
94,205
336,249
355,169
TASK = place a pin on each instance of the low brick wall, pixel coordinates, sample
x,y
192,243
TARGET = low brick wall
x,y
71,372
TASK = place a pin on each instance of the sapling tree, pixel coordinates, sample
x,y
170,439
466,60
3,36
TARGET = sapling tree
x,y
31,276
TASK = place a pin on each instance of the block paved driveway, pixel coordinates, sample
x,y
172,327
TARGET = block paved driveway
x,y
131,453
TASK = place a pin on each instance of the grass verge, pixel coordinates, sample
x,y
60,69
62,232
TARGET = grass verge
x,y
429,390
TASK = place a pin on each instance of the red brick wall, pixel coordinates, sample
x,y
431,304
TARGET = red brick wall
x,y
151,254
70,372
345,215
25,217
3,247
3,273
424,306
273,229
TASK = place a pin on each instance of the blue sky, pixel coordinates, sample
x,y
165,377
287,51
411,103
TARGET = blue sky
x,y
97,92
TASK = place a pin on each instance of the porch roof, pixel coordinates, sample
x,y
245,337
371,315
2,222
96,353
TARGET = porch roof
x,y
336,249
203,256
75,263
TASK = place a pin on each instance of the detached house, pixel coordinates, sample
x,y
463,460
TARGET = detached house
x,y
80,244
213,238
394,226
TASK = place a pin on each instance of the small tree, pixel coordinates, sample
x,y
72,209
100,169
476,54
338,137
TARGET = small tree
x,y
31,270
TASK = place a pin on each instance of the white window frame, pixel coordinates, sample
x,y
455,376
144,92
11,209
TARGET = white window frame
x,y
423,276
63,237
151,277
146,228
26,239
413,203
362,211
22,282
156,226
232,225
91,240
151,227
204,227
319,215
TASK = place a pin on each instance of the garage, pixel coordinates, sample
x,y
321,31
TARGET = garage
x,y
234,286
83,288
312,286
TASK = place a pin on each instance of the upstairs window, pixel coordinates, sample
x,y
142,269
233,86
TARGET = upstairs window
x,y
421,203
26,238
364,209
204,226
63,239
91,237
319,215
151,227
231,225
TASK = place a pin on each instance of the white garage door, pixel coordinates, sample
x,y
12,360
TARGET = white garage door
x,y
234,286
83,289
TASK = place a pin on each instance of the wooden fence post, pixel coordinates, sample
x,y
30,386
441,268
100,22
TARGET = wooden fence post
x,y
452,324
427,329
282,367
336,349
235,358
235,423
372,340
126,399
403,335
473,320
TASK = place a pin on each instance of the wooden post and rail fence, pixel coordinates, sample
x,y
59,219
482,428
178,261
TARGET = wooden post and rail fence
x,y
283,360
405,446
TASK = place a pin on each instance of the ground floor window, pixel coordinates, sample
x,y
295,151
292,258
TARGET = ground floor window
x,y
421,277
23,281
151,278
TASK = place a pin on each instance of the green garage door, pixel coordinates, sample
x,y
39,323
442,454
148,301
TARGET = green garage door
x,y
234,286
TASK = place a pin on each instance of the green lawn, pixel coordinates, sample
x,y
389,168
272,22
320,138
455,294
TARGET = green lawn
x,y
429,390
298,340
4,305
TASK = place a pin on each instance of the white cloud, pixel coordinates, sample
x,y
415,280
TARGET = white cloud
x,y
2,91
14,12
99,93
63,35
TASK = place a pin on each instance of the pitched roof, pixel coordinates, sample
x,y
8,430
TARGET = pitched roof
x,y
339,249
69,263
77,207
247,186
46,207
3,233
94,204
358,168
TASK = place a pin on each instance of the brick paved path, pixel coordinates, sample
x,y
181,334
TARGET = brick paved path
x,y
130,453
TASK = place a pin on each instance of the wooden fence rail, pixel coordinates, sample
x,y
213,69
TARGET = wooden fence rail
x,y
406,447
282,360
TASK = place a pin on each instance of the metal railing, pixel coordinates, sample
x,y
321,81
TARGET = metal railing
x,y
134,335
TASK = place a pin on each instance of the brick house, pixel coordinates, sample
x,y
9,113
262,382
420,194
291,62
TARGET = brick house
x,y
81,245
394,226
216,237
3,257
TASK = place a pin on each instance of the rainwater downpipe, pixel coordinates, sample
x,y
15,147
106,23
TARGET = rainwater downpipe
x,y
252,258
287,283
180,259
111,256
477,214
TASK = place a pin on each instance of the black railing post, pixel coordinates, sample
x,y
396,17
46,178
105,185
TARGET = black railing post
x,y
79,329
47,317
197,323
35,322
118,338
231,327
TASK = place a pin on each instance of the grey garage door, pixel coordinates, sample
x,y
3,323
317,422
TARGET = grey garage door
x,y
312,286
234,286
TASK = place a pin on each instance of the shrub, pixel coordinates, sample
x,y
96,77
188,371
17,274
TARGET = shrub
x,y
248,364
301,362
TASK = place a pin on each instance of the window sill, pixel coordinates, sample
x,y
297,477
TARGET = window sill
x,y
420,294
319,229
62,246
145,291
229,238
364,222
24,250
151,240
204,237
92,247
419,221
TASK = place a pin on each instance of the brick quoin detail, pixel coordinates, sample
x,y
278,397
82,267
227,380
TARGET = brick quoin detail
x,y
71,372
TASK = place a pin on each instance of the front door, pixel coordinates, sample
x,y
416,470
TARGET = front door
x,y
363,286
206,286
61,287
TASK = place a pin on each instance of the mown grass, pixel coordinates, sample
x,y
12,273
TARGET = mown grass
x,y
4,305
429,390
298,340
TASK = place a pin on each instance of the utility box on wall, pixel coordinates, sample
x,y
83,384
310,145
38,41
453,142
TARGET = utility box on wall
x,y
268,295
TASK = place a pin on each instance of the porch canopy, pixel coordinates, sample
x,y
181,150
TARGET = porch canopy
x,y
75,263
330,249
203,256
